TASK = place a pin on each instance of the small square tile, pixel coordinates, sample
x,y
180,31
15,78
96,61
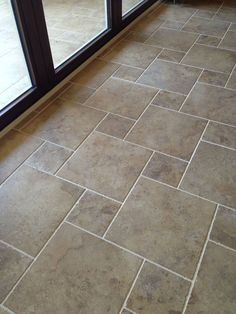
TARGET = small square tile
x,y
115,126
164,225
168,132
95,74
132,54
168,100
122,97
214,78
28,222
208,40
210,58
12,266
224,228
206,26
76,271
15,149
65,123
158,291
221,134
229,41
212,174
49,158
232,81
128,73
215,287
212,102
165,169
172,39
94,212
77,93
162,74
171,55
106,165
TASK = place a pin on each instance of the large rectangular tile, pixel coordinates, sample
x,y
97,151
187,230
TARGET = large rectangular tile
x,y
76,272
106,165
174,13
168,132
206,26
210,58
212,102
172,39
133,54
163,75
164,225
32,205
212,174
215,287
122,97
65,123
12,266
15,149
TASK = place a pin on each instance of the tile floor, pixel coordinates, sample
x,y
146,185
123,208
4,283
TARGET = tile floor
x,y
119,194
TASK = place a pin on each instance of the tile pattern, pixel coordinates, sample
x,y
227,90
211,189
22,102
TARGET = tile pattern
x,y
166,225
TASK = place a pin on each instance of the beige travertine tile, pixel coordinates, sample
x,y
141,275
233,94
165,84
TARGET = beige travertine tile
x,y
212,174
171,55
214,78
115,126
226,14
95,74
157,222
15,149
208,40
173,24
128,73
233,27
133,54
168,132
65,123
205,14
49,157
172,39
202,5
23,122
94,212
206,26
232,81
229,41
163,75
148,24
122,97
126,312
76,271
224,228
215,288
138,36
168,100
221,134
210,58
29,216
12,266
165,169
212,102
158,291
77,93
106,165
174,13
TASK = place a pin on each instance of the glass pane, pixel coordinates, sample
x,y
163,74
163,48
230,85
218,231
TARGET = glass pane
x,y
72,24
128,5
14,77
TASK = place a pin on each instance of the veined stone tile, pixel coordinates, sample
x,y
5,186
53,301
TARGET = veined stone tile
x,y
214,78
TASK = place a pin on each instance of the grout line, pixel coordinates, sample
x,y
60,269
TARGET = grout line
x,y
216,144
132,286
129,310
129,251
190,160
218,86
230,76
223,37
130,191
199,262
6,309
16,249
42,249
222,245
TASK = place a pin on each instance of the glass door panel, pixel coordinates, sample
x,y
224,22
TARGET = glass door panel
x,y
14,77
128,5
72,24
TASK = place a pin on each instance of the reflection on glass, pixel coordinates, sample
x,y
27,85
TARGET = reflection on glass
x,y
128,5
14,77
72,24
